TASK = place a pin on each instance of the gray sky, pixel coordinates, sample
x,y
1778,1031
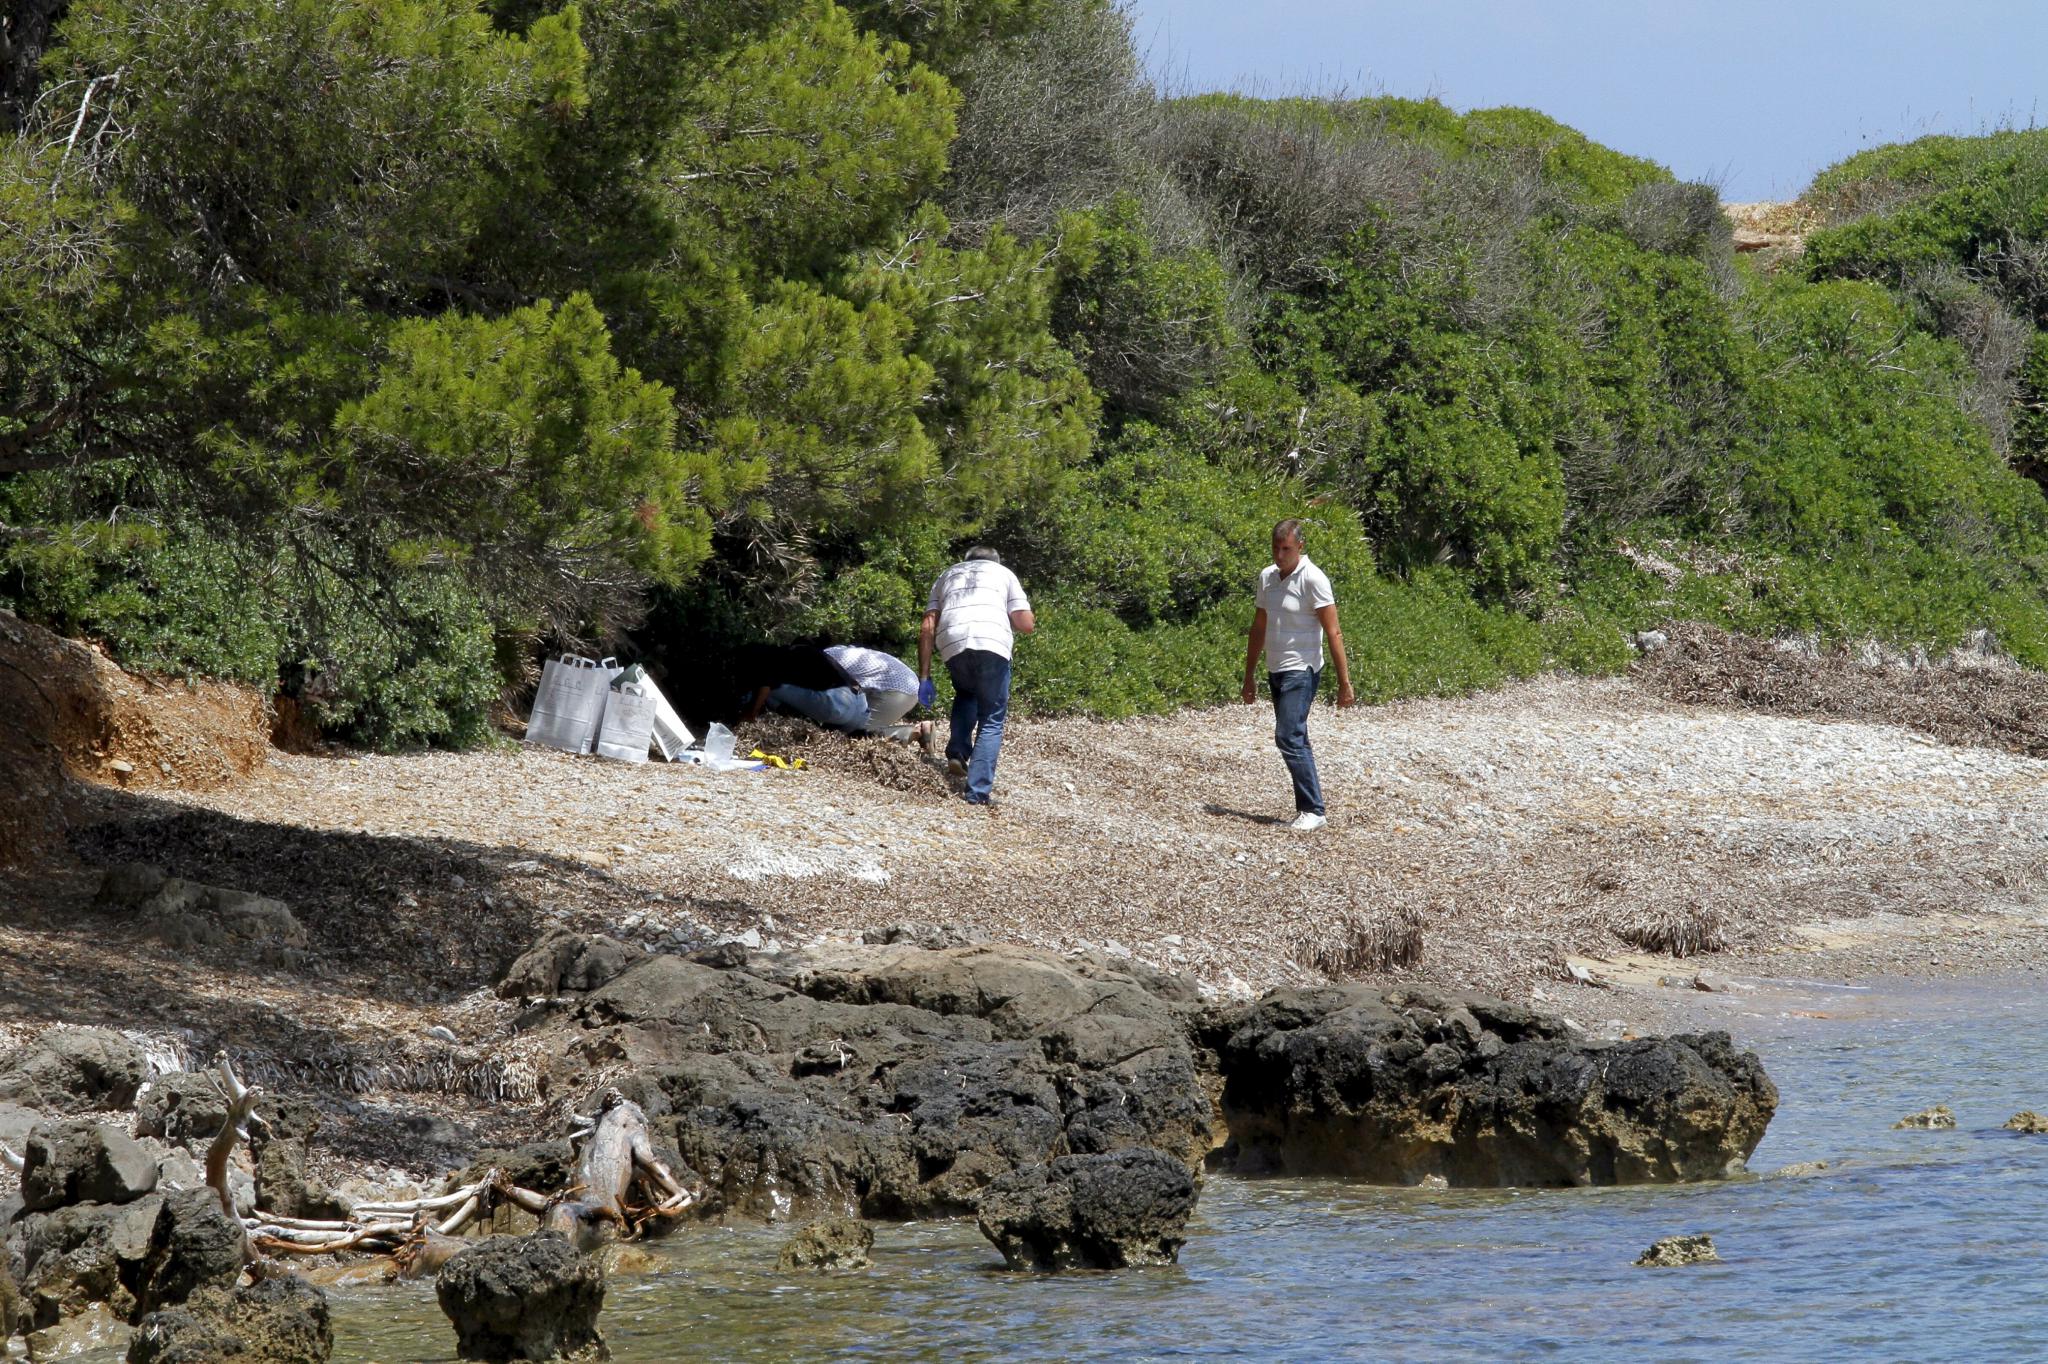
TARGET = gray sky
x,y
1756,95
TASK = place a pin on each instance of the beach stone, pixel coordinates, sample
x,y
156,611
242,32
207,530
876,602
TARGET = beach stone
x,y
890,1081
184,1106
83,1162
565,961
192,1245
1394,1085
1672,1251
833,1243
74,1070
530,1297
1938,1118
280,1319
1126,1208
73,1257
2027,1120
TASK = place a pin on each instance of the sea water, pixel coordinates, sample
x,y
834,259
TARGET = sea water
x,y
1912,1245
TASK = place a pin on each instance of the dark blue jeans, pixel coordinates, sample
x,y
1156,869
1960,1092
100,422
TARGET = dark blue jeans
x,y
1293,693
842,708
981,703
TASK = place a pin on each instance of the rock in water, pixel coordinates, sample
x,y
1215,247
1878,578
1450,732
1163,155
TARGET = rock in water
x,y
192,1246
532,1297
1939,1118
1396,1085
82,1162
834,1243
72,1258
1129,1207
2027,1120
280,1320
1680,1250
76,1070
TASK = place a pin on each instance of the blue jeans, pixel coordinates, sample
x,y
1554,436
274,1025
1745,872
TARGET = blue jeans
x,y
841,708
1293,693
981,703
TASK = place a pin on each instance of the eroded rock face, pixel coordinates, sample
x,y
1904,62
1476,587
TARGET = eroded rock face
x,y
280,1320
834,1243
185,1107
74,1070
83,1162
1399,1085
529,1297
892,1081
1673,1251
192,1246
73,1257
565,961
1129,1207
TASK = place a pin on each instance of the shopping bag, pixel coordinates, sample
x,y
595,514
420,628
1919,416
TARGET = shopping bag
x,y
671,735
628,724
569,705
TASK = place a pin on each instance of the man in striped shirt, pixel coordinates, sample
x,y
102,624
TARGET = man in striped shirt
x,y
976,611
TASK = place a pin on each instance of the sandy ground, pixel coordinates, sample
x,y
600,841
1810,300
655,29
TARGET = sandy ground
x,y
1512,829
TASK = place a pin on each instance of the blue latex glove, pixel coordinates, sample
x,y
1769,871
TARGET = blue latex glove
x,y
927,692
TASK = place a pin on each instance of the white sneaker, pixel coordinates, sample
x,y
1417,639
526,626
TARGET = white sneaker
x,y
1307,822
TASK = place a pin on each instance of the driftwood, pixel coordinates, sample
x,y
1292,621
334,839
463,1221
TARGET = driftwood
x,y
621,1185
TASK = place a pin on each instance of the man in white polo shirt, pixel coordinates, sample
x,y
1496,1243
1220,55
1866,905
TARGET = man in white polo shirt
x,y
977,609
1296,610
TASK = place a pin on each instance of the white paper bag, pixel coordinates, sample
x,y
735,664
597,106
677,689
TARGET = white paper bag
x,y
628,724
569,705
670,733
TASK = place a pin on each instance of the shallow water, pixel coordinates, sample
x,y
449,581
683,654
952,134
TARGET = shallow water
x,y
1922,1245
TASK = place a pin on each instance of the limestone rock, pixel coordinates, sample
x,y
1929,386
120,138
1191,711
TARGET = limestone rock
x,y
530,1297
1939,1118
2027,1120
1394,1085
566,961
83,1162
184,1106
833,1243
74,1257
1680,1250
74,1070
891,1081
1130,1207
281,1319
192,1246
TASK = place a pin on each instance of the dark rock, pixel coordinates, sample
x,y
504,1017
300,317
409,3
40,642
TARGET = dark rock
x,y
565,961
1130,1207
192,1245
530,1297
13,1311
891,1081
83,1162
188,914
1394,1086
184,1106
73,1257
281,1319
74,1070
1679,1250
834,1243
1939,1118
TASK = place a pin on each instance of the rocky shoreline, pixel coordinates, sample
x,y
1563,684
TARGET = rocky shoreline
x,y
1072,1105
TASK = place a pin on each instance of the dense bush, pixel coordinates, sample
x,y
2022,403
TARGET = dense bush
x,y
360,348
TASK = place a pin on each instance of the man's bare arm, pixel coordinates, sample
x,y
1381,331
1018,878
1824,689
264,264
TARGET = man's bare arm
x,y
1327,617
927,631
1023,622
1254,647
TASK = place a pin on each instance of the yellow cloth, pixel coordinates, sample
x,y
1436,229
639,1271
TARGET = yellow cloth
x,y
785,764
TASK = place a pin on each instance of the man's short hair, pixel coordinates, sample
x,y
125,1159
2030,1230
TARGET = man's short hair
x,y
984,552
1290,529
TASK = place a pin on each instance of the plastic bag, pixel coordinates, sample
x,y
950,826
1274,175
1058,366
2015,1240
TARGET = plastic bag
x,y
569,705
